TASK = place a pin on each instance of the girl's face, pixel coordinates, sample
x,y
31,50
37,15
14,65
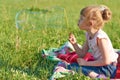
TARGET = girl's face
x,y
83,23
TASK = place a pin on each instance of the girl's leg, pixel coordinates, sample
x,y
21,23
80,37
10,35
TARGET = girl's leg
x,y
96,75
93,74
101,71
92,71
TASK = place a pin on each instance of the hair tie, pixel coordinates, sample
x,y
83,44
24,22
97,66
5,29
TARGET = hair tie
x,y
102,8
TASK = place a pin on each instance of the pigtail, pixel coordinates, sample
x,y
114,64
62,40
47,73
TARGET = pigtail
x,y
106,13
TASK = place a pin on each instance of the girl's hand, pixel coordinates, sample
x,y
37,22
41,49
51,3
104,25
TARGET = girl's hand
x,y
72,38
81,61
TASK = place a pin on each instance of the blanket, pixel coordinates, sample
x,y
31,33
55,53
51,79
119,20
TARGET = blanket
x,y
66,55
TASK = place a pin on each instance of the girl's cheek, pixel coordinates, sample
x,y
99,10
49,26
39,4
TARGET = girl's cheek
x,y
81,23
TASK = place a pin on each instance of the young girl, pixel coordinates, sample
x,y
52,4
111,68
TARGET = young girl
x,y
92,19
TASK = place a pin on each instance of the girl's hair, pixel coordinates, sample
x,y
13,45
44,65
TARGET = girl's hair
x,y
100,14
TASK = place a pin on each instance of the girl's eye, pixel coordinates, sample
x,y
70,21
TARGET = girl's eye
x,y
81,18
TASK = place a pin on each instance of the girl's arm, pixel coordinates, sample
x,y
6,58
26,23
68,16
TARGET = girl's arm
x,y
102,44
80,51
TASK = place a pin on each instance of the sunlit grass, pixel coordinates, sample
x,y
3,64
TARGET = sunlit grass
x,y
20,51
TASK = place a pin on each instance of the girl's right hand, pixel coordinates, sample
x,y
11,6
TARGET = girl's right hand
x,y
72,38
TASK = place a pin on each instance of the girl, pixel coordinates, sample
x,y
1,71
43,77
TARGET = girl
x,y
92,19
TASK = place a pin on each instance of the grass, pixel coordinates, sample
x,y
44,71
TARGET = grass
x,y
20,51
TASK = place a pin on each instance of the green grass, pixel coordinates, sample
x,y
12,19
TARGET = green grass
x,y
20,51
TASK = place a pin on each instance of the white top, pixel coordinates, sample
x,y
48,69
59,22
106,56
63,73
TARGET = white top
x,y
92,43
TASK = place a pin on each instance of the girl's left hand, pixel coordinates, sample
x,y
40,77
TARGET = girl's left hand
x,y
81,61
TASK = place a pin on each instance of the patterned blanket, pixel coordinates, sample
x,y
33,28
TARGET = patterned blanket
x,y
66,55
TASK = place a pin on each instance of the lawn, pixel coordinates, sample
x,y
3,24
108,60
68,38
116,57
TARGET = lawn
x,y
20,49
